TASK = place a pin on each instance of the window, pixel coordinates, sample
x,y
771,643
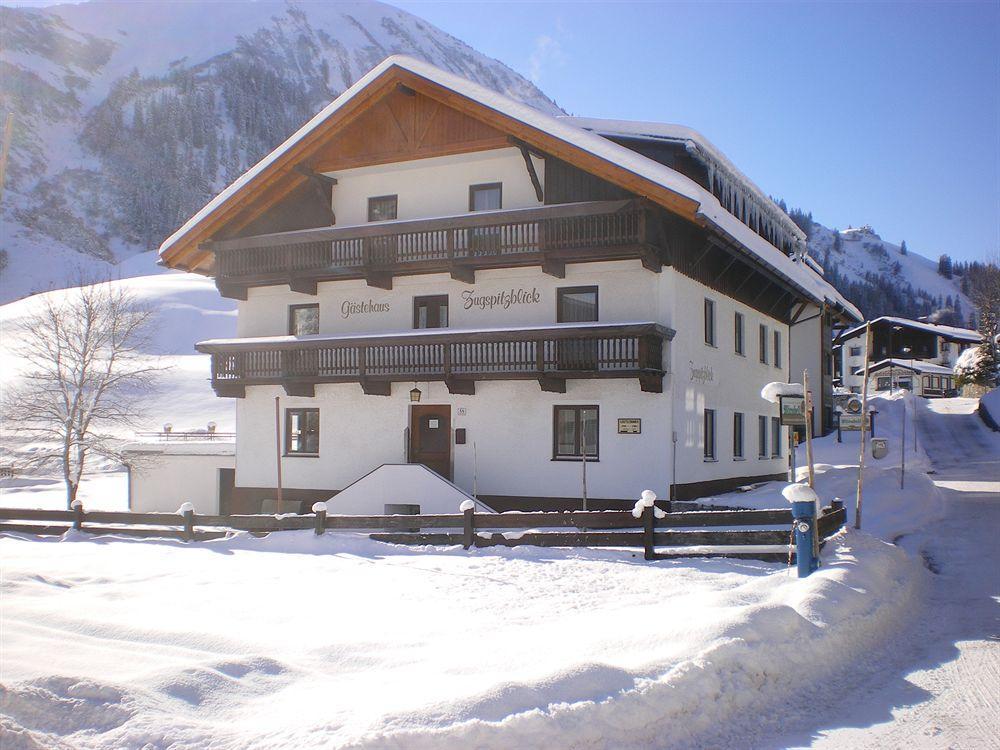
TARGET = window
x,y
708,434
302,432
303,320
857,370
710,322
739,345
382,208
486,197
855,351
882,384
855,389
775,437
737,435
430,312
576,304
574,428
777,349
761,437
762,343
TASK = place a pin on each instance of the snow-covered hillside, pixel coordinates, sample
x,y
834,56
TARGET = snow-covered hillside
x,y
882,279
188,309
131,116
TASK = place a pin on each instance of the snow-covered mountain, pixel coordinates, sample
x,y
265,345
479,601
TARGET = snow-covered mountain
x,y
883,278
130,116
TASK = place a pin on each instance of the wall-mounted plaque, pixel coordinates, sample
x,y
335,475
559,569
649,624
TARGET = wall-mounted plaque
x,y
629,426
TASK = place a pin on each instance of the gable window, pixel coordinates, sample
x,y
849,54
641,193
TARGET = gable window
x,y
854,351
708,433
430,311
574,428
301,432
761,437
303,320
382,208
777,349
576,304
488,197
739,345
775,437
710,322
762,343
737,434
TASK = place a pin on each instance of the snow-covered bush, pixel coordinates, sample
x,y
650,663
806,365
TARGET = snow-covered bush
x,y
977,366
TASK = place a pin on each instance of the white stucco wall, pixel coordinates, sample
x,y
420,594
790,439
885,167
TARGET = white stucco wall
x,y
160,482
718,378
508,431
434,187
628,293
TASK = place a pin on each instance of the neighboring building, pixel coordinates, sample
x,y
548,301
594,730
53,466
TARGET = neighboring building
x,y
922,378
429,272
162,475
902,340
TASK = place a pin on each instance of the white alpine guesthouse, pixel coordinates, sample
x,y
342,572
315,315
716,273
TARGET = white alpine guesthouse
x,y
430,272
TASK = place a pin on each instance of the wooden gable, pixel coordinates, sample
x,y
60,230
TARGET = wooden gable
x,y
405,125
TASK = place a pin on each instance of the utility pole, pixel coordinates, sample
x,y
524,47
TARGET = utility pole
x,y
864,425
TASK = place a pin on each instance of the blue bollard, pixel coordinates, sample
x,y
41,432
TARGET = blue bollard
x,y
804,523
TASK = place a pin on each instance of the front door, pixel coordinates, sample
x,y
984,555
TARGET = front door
x,y
430,438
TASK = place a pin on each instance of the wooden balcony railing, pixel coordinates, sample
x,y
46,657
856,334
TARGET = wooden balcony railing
x,y
549,236
459,358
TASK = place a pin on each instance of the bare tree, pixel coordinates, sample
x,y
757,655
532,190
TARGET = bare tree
x,y
83,378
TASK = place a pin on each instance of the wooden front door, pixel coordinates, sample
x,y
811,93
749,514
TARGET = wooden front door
x,y
430,438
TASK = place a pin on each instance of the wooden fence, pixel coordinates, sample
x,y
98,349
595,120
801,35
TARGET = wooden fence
x,y
717,533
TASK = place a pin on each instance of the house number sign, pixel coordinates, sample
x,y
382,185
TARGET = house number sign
x,y
629,426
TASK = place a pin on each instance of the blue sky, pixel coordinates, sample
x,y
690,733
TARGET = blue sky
x,y
885,113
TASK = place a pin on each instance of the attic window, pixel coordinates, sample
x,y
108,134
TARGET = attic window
x,y
382,208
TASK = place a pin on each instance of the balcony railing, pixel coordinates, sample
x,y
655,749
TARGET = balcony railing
x,y
549,236
459,358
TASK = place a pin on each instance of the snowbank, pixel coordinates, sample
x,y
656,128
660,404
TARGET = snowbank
x,y
990,404
230,644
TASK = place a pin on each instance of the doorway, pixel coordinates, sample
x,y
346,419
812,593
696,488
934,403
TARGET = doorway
x,y
430,438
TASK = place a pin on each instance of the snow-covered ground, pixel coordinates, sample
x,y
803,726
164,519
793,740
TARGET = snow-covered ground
x,y
297,641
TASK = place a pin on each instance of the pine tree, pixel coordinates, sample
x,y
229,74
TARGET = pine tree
x,y
944,266
902,248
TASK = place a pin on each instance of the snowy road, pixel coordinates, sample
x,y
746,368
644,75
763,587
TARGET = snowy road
x,y
943,690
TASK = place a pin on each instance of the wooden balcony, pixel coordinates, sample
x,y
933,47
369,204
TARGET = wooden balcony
x,y
547,236
551,355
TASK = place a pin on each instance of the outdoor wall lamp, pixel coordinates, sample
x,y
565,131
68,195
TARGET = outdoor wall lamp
x,y
415,394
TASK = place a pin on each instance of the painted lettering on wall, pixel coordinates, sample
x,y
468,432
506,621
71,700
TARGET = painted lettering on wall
x,y
503,300
703,374
351,307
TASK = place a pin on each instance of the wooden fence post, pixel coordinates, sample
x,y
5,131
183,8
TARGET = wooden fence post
x,y
468,507
647,532
319,509
78,511
187,510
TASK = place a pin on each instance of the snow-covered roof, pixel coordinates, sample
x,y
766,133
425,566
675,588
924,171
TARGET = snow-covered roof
x,y
917,365
183,448
694,142
947,332
709,210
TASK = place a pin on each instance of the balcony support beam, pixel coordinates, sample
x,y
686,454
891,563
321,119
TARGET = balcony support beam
x,y
552,385
230,390
464,274
299,389
379,280
554,267
461,386
232,291
303,286
376,387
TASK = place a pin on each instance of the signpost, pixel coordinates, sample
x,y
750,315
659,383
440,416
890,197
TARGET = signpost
x,y
793,414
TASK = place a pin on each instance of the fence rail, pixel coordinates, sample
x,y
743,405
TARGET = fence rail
x,y
685,533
